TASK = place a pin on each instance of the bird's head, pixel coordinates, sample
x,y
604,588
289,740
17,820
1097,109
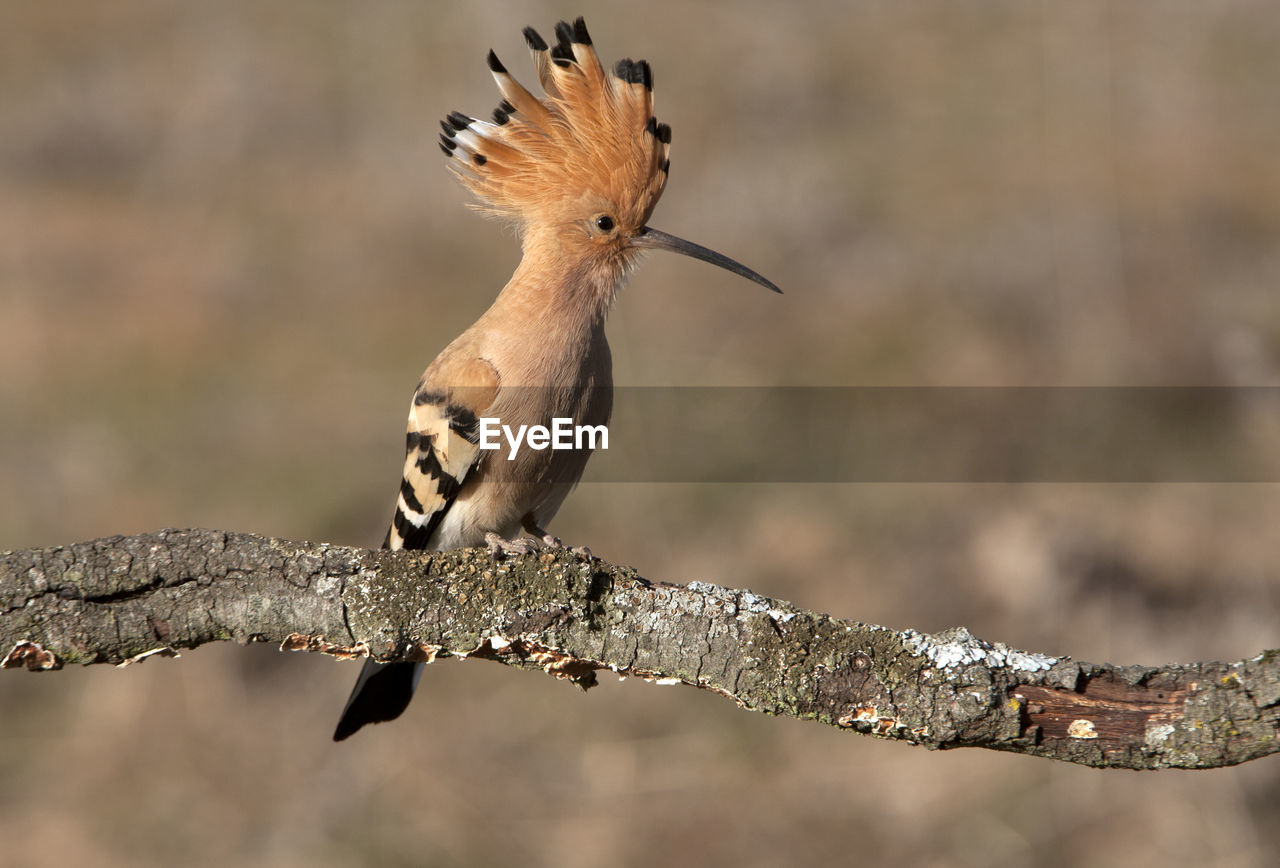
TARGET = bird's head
x,y
581,169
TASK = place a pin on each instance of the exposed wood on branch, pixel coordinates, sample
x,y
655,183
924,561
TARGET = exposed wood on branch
x,y
119,599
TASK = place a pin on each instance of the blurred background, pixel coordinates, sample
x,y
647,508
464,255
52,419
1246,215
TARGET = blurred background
x,y
228,247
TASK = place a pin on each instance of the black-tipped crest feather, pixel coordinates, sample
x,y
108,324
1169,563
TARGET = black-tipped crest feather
x,y
564,33
533,40
592,138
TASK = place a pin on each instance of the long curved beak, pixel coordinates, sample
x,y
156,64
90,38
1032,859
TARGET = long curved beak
x,y
655,239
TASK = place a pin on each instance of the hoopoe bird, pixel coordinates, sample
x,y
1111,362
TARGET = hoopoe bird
x,y
579,172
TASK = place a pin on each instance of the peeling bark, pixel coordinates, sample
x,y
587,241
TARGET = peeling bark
x,y
120,599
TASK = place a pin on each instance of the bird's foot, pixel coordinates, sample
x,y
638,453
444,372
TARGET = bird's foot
x,y
553,542
499,547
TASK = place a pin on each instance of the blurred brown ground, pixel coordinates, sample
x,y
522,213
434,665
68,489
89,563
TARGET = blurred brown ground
x,y
228,247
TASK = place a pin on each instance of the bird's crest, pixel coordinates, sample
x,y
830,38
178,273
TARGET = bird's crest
x,y
591,144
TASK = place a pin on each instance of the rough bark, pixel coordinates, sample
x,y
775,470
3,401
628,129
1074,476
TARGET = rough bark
x,y
118,599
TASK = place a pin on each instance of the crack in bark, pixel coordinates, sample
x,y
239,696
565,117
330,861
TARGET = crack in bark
x,y
122,595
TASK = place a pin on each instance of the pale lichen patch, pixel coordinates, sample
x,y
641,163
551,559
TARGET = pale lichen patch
x,y
958,647
1081,728
1158,733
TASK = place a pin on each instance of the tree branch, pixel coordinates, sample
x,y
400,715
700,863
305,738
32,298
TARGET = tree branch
x,y
119,599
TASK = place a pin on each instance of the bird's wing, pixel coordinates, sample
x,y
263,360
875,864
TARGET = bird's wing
x,y
441,446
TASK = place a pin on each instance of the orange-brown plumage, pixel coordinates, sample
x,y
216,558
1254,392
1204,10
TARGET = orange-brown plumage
x,y
591,146
579,171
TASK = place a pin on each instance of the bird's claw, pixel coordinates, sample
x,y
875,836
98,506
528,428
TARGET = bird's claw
x,y
499,547
553,542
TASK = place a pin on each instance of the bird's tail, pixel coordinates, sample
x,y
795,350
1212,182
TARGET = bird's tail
x,y
382,693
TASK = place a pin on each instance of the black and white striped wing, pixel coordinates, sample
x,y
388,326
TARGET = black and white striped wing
x,y
441,449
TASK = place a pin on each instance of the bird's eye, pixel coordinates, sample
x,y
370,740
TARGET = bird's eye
x,y
604,223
